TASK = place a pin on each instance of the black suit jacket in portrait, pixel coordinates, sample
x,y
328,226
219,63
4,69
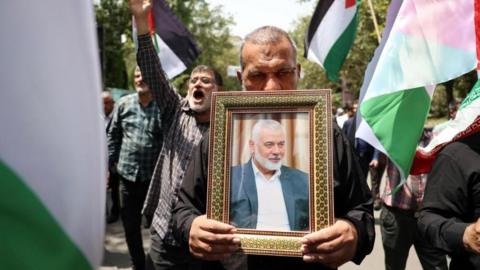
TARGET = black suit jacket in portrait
x,y
244,200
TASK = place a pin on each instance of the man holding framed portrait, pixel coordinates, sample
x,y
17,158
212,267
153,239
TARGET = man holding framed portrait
x,y
268,63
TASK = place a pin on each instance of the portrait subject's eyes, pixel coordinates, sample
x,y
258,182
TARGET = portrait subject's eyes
x,y
269,144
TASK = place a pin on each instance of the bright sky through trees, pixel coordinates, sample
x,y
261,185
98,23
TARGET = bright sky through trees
x,y
250,14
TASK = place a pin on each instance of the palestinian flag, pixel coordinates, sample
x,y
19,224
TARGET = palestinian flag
x,y
419,49
331,33
174,44
52,145
465,123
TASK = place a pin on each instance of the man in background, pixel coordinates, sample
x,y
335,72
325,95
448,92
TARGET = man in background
x,y
398,222
134,141
268,63
450,216
108,105
184,121
112,181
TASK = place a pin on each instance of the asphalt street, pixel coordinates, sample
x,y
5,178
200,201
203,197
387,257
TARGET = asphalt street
x,y
116,252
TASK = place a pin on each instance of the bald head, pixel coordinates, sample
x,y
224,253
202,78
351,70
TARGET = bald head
x,y
107,102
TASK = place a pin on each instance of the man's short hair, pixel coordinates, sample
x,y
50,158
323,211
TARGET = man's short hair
x,y
266,35
203,68
347,108
265,124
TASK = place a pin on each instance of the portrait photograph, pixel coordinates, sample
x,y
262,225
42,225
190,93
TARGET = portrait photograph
x,y
269,176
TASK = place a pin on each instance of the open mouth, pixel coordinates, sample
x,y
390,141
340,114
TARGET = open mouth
x,y
198,94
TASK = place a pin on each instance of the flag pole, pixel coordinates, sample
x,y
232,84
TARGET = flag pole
x,y
374,19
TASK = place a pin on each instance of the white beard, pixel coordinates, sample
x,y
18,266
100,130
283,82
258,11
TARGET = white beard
x,y
203,107
267,164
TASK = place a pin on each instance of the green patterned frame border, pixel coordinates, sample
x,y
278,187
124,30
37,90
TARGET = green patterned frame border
x,y
318,104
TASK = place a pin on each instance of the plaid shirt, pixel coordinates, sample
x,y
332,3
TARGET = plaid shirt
x,y
183,135
410,195
134,138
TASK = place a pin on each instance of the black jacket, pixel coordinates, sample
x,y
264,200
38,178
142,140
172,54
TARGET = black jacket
x,y
352,201
452,200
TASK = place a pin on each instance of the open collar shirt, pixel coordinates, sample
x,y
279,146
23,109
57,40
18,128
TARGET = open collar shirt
x,y
272,212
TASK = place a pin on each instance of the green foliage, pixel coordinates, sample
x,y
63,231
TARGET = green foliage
x,y
210,30
439,106
464,84
365,44
360,55
208,26
461,87
115,19
180,83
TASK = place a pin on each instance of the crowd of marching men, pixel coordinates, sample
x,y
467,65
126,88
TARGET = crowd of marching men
x,y
158,159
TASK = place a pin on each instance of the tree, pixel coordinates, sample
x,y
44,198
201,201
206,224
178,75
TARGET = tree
x,y
208,26
353,70
450,92
114,20
210,29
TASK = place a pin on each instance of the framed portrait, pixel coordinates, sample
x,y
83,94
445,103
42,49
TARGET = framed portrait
x,y
270,172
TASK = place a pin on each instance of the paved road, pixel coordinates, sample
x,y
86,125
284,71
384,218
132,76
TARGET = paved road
x,y
375,261
116,253
115,248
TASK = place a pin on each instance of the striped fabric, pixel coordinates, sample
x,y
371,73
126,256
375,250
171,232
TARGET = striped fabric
x,y
52,142
419,48
330,34
466,122
174,44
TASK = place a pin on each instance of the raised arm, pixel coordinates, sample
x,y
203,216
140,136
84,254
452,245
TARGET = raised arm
x,y
147,58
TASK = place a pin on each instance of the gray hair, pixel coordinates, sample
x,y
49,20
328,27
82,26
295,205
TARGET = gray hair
x,y
265,124
204,68
106,93
266,35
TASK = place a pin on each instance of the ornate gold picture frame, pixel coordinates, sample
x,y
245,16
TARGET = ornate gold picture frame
x,y
305,118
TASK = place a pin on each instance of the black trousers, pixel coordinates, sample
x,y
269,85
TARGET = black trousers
x,y
399,233
163,256
132,196
376,176
114,185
